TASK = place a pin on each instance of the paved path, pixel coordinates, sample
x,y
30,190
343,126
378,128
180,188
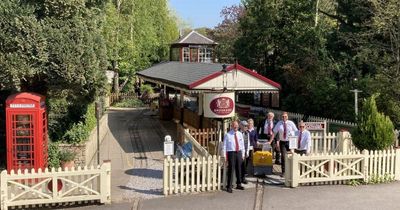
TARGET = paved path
x,y
134,146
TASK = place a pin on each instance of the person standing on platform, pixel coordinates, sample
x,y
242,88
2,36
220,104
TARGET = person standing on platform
x,y
245,133
234,152
253,136
303,140
284,129
265,131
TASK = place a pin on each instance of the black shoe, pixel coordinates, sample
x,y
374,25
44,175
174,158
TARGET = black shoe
x,y
244,181
229,190
277,162
240,187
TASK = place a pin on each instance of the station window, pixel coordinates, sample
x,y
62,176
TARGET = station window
x,y
186,54
205,55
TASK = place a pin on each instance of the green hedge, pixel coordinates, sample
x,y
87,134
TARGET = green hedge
x,y
79,132
129,103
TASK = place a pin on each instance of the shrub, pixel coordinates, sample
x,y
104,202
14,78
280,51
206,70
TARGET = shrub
x,y
66,156
146,89
129,103
374,130
79,132
54,155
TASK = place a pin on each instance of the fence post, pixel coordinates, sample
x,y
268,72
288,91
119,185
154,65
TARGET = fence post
x,y
365,165
166,175
344,141
288,173
294,171
4,189
105,177
397,165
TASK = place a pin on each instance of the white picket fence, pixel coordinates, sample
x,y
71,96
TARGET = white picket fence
x,y
338,168
331,142
30,189
298,116
192,175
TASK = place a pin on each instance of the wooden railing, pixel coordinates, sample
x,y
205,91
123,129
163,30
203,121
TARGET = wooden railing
x,y
55,186
338,168
192,175
117,97
204,136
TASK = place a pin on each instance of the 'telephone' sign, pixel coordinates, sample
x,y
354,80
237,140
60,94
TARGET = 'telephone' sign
x,y
22,105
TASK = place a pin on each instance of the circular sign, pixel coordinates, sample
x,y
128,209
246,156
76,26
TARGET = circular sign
x,y
222,105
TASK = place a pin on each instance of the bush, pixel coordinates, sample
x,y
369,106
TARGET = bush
x,y
79,132
129,103
146,89
54,155
66,156
374,130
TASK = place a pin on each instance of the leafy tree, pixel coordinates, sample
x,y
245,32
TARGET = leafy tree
x,y
227,32
138,34
374,130
53,47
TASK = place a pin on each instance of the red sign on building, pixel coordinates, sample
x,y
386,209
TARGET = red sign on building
x,y
222,105
219,105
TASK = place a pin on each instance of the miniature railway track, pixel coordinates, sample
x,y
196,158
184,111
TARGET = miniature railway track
x,y
136,141
258,198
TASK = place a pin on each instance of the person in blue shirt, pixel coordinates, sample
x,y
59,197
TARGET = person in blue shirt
x,y
234,152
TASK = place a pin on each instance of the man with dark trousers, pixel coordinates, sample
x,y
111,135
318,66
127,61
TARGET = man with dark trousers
x,y
284,129
234,152
265,131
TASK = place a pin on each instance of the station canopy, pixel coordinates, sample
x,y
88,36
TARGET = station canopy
x,y
208,77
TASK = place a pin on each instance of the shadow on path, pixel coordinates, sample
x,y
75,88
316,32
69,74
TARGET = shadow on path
x,y
145,172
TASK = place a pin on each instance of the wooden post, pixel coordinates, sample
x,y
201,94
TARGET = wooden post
x,y
288,164
397,165
4,190
105,187
294,171
166,174
365,165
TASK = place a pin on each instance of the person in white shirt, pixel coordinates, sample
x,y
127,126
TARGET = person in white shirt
x,y
265,131
303,140
234,152
284,129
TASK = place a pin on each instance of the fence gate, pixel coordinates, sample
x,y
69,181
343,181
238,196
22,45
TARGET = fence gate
x,y
38,188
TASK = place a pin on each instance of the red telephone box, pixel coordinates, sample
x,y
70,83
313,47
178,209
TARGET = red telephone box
x,y
26,131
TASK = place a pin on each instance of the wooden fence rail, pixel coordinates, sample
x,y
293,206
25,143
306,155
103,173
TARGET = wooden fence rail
x,y
204,135
116,97
192,175
338,168
49,187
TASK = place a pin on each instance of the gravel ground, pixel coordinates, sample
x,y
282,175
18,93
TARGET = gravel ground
x,y
146,183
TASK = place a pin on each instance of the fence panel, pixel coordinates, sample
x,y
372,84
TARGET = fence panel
x,y
336,168
324,144
196,175
33,188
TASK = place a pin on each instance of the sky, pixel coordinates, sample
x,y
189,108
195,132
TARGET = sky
x,y
201,13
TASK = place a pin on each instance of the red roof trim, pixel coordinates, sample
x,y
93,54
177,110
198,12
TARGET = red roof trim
x,y
231,68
